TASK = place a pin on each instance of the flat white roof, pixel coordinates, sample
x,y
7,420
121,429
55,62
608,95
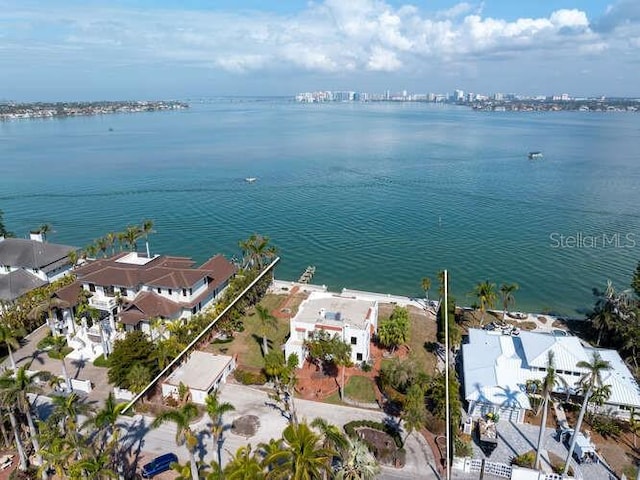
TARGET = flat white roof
x,y
333,309
200,372
134,258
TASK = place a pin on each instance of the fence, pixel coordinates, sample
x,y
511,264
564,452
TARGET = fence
x,y
502,470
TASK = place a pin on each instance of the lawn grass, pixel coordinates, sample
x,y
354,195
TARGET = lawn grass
x,y
422,331
248,343
360,389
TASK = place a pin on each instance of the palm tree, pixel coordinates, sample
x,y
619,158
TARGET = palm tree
x,y
106,418
147,228
216,409
244,465
130,237
73,257
44,229
332,437
302,456
16,434
507,291
485,292
138,377
426,286
15,388
548,384
358,463
46,307
267,323
182,417
95,467
111,239
591,380
58,344
11,338
66,411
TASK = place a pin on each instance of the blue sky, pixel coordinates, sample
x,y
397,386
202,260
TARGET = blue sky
x,y
98,49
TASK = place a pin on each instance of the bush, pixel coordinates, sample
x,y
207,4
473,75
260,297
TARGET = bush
x,y
46,342
101,362
221,341
525,460
350,429
604,425
558,467
366,366
462,447
247,377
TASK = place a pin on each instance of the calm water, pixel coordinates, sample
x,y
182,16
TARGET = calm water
x,y
376,196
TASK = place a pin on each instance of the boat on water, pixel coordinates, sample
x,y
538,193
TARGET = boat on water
x,y
535,155
251,179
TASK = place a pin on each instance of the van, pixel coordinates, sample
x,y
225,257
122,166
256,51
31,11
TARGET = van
x,y
158,465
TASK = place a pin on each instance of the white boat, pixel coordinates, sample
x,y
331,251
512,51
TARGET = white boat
x,y
250,179
535,155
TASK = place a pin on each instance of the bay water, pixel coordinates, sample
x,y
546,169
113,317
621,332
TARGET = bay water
x,y
375,195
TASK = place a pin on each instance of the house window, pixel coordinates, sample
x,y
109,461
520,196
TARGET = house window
x,y
354,340
170,291
359,357
184,292
123,292
109,291
190,291
159,290
92,287
194,310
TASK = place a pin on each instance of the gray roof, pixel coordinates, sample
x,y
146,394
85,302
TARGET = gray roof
x,y
23,253
17,283
200,371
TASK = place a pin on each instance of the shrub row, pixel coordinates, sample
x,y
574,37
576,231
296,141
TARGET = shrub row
x,y
247,377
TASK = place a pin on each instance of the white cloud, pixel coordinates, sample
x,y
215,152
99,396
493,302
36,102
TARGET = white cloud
x,y
332,36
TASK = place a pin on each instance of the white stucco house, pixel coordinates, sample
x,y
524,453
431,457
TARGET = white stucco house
x,y
201,374
355,321
496,368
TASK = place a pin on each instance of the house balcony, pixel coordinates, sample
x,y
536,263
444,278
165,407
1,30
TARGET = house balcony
x,y
103,303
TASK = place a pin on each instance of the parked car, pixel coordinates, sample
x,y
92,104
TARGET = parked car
x,y
158,465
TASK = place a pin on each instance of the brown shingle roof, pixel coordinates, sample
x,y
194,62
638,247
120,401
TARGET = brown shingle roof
x,y
70,293
220,269
148,305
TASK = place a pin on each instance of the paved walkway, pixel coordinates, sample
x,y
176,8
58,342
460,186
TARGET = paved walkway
x,y
78,369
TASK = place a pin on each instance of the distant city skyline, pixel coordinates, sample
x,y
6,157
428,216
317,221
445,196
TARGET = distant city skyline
x,y
125,49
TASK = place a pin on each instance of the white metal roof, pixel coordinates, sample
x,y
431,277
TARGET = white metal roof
x,y
496,367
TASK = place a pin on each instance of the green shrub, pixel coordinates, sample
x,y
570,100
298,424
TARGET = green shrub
x,y
46,342
220,341
247,377
525,460
101,362
366,366
462,447
604,425
558,467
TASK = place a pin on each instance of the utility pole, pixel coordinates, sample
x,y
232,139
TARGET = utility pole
x,y
446,375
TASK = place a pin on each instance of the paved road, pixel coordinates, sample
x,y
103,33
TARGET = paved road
x,y
250,401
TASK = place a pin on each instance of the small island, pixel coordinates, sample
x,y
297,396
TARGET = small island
x,y
13,110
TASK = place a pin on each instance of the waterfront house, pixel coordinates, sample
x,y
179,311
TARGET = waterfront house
x,y
26,264
354,321
202,373
134,288
496,368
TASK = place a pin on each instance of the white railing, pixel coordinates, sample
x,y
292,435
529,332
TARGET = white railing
x,y
103,303
498,469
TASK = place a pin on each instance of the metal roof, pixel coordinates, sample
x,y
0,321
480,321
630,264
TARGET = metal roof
x,y
200,372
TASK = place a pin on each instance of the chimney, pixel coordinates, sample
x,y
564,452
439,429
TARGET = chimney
x,y
321,312
36,235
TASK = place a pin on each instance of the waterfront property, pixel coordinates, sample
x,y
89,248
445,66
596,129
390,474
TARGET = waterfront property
x,y
201,374
497,367
26,264
355,321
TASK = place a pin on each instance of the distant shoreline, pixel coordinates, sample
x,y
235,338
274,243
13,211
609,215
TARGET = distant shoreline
x,y
14,111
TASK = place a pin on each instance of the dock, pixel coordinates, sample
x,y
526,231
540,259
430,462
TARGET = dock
x,y
307,275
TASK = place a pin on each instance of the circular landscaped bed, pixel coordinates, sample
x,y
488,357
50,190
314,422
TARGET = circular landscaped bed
x,y
245,426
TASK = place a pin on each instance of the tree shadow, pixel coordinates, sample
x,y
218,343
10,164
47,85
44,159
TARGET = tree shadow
x,y
79,363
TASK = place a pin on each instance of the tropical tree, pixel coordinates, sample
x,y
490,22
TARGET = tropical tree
x,y
44,229
332,437
106,418
485,293
507,291
302,456
283,378
182,418
15,388
102,245
268,323
134,348
3,230
46,307
358,463
256,250
130,237
216,409
73,257
11,409
394,331
66,412
97,466
547,386
138,377
11,338
415,413
590,380
244,465
426,286
112,239
635,281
